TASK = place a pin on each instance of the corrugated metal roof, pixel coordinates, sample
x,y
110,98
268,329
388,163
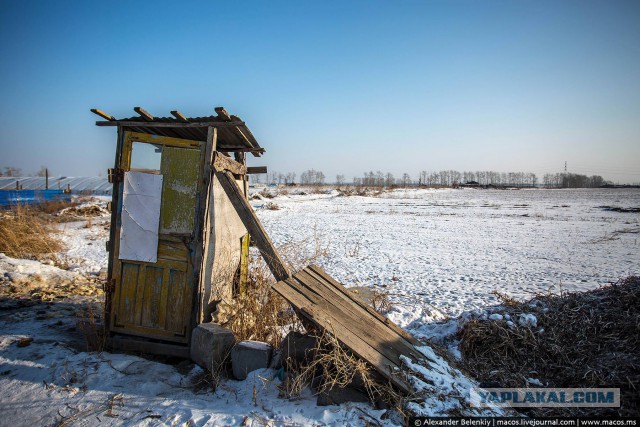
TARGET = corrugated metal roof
x,y
87,185
233,134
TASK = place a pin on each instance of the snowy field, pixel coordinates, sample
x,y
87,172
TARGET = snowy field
x,y
440,253
449,249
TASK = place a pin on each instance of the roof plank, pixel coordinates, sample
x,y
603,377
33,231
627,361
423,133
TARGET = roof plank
x,y
157,124
143,113
222,113
178,115
103,114
233,133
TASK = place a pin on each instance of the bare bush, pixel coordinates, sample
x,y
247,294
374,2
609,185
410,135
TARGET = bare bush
x,y
24,233
90,324
582,339
380,301
258,313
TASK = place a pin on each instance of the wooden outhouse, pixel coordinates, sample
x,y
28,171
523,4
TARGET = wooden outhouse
x,y
176,243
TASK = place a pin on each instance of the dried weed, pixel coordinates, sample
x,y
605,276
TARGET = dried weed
x,y
27,233
584,339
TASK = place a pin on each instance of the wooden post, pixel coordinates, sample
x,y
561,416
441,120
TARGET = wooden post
x,y
253,226
203,228
46,178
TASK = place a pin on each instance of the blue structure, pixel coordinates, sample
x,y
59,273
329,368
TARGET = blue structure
x,y
10,198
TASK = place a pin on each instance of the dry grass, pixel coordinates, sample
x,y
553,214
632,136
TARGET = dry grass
x,y
380,301
272,206
90,322
53,206
335,366
27,233
587,339
258,313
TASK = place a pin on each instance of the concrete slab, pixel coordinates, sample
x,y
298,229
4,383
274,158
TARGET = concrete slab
x,y
337,395
297,349
211,344
247,356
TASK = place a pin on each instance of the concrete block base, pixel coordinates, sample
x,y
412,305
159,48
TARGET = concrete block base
x,y
247,356
336,396
297,349
211,345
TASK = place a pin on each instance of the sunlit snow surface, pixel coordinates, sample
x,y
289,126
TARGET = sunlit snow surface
x,y
452,248
439,252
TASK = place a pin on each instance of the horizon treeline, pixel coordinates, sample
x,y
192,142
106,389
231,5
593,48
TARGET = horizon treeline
x,y
443,178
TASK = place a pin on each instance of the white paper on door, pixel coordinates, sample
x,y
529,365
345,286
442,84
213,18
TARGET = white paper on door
x,y
141,200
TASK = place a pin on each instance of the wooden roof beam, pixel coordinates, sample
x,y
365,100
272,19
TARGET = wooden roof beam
x,y
103,114
256,169
223,114
178,115
156,124
143,113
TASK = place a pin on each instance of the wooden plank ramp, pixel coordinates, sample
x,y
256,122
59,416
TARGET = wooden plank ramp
x,y
327,304
331,307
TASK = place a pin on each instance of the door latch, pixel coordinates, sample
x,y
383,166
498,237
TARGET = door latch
x,y
115,175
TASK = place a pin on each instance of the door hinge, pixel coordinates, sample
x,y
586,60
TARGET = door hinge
x,y
108,245
115,175
109,206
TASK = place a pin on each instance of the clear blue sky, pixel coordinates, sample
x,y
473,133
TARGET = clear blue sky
x,y
341,86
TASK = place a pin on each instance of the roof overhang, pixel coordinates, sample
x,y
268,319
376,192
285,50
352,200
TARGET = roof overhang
x,y
233,133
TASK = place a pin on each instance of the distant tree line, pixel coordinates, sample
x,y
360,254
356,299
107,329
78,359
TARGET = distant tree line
x,y
17,172
451,178
379,179
10,171
572,180
443,178
448,178
275,178
308,177
312,177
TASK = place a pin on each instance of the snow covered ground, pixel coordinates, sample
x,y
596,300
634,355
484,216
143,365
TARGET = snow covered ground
x,y
445,251
439,253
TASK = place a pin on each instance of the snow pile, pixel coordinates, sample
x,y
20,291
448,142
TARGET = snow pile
x,y
87,209
22,271
528,320
85,246
440,389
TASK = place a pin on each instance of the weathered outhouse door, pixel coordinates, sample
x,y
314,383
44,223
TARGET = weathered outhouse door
x,y
154,241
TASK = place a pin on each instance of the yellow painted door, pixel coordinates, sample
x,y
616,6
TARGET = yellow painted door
x,y
155,299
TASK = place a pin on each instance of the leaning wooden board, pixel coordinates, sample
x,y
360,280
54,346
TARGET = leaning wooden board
x,y
371,336
327,304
